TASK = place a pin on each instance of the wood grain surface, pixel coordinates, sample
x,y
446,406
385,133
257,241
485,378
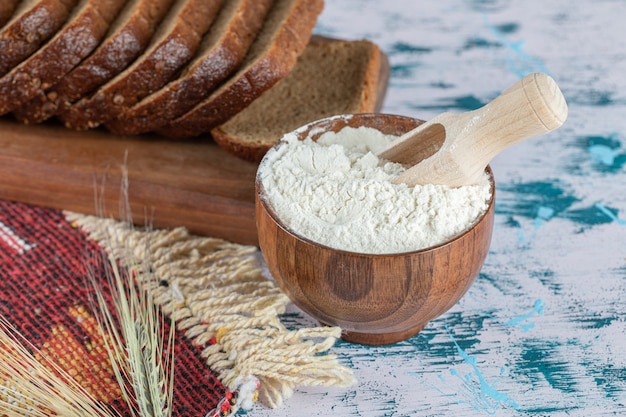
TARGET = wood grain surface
x,y
189,183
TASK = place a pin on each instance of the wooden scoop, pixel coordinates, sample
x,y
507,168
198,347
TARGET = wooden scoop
x,y
454,149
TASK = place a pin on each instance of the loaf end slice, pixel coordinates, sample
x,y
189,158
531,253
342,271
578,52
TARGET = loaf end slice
x,y
173,45
128,36
82,33
32,23
221,52
274,53
331,77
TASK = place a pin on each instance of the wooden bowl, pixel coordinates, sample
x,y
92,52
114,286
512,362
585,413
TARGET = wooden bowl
x,y
375,299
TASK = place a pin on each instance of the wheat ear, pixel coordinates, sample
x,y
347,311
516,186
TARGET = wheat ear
x,y
38,387
141,353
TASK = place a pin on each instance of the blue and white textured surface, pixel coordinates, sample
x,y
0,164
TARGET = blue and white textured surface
x,y
543,330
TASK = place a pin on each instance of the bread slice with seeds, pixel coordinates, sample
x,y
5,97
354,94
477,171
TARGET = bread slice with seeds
x,y
283,37
331,77
32,23
7,7
222,51
127,38
84,29
173,45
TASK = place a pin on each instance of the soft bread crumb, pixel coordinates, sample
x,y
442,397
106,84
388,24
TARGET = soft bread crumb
x,y
331,77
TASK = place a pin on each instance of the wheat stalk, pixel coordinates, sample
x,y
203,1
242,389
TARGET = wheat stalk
x,y
141,354
143,361
32,387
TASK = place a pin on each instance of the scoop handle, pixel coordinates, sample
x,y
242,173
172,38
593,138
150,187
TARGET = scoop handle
x,y
531,107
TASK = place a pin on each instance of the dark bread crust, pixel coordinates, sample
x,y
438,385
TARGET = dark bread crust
x,y
173,45
222,51
129,35
332,77
32,23
7,7
269,64
83,31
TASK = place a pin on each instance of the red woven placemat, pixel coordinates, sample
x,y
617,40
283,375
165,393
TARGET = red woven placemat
x,y
231,346
44,294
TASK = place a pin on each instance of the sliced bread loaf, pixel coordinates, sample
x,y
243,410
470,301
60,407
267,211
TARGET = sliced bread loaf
x,y
331,77
7,7
221,52
128,36
283,37
32,23
174,43
84,29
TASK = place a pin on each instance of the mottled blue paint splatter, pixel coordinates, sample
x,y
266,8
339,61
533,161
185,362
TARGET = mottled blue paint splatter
x,y
480,43
503,282
592,97
547,279
404,70
597,320
405,59
442,85
543,214
486,5
519,62
528,198
612,380
610,213
460,104
483,43
522,320
541,359
604,155
485,397
404,48
542,201
507,28
431,349
594,215
605,152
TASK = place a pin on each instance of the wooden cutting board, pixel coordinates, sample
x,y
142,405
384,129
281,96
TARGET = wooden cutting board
x,y
190,183
170,183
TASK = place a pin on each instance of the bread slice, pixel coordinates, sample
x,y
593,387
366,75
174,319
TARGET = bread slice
x,y
175,42
32,23
84,29
221,52
127,38
331,77
283,37
7,7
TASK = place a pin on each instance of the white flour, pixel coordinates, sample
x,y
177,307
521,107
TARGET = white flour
x,y
334,192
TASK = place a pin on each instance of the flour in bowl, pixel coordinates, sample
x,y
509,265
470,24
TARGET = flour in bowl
x,y
338,193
